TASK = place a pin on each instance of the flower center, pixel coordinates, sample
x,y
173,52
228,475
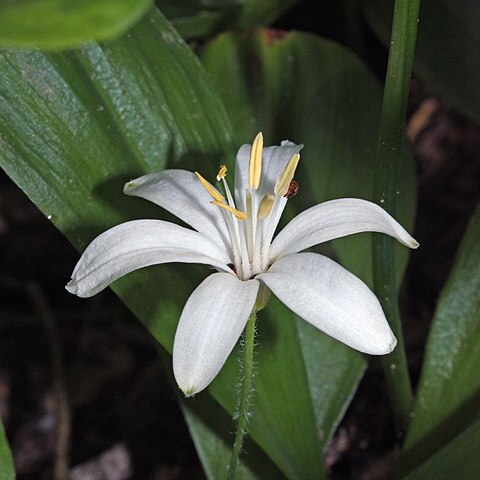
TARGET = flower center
x,y
251,231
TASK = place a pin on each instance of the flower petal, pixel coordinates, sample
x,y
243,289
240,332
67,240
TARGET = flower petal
x,y
335,219
181,193
274,161
332,299
137,244
211,323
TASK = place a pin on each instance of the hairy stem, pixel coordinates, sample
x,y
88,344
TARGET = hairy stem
x,y
245,395
392,126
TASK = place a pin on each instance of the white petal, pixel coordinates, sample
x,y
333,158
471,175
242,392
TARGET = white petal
x,y
137,244
211,323
274,162
332,299
181,193
335,219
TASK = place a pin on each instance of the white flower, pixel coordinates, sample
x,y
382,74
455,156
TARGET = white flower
x,y
234,235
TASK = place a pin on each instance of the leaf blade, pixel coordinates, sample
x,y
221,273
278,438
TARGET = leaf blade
x,y
290,87
54,25
77,126
7,471
458,459
449,389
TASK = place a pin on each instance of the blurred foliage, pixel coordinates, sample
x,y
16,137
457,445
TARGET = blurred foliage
x,y
62,24
200,18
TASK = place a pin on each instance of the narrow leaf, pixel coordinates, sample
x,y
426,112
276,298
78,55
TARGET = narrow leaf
x,y
458,459
7,471
448,395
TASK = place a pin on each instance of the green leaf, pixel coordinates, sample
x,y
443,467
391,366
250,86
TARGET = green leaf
x,y
7,471
193,19
76,126
61,24
198,18
448,395
448,46
312,91
458,459
281,394
210,427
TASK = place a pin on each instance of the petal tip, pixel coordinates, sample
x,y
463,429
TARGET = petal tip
x,y
71,287
190,390
413,244
129,186
391,346
74,288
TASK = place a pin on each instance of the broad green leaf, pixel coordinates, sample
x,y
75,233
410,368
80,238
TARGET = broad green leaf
x,y
448,45
458,459
198,18
76,126
7,471
448,396
308,90
61,24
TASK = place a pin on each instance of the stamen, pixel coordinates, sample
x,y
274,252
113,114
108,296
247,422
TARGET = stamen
x,y
255,171
222,173
283,183
265,206
210,189
240,215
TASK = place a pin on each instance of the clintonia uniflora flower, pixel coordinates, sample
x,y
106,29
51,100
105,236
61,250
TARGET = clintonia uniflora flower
x,y
234,233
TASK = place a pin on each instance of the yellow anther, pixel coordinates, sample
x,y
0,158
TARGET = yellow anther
x,y
265,206
222,173
210,189
281,187
239,214
255,171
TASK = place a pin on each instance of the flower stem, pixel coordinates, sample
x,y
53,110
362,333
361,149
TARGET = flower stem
x,y
245,398
392,125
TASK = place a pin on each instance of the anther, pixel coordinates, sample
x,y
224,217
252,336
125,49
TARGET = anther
x,y
255,171
210,189
222,173
283,183
265,206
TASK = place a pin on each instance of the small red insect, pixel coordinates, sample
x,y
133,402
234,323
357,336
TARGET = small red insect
x,y
292,189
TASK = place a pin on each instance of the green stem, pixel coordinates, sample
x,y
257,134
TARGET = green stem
x,y
245,397
392,125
